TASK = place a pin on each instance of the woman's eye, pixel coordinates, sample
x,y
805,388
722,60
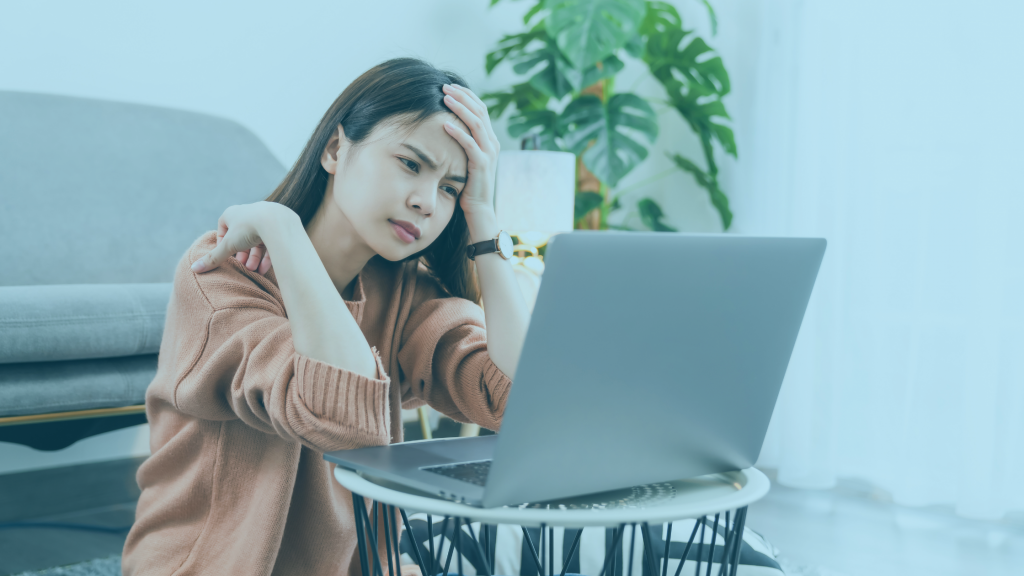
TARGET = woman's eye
x,y
410,164
451,190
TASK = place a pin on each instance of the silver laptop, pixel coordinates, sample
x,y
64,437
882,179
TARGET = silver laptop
x,y
649,357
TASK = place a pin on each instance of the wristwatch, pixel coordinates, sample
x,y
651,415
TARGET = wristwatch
x,y
502,244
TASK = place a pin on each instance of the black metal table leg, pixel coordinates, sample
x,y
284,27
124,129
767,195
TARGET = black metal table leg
x,y
711,548
483,544
686,551
610,556
360,539
415,544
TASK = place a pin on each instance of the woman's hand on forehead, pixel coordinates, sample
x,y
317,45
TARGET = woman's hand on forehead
x,y
481,147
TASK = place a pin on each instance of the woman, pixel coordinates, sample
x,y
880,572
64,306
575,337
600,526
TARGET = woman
x,y
371,306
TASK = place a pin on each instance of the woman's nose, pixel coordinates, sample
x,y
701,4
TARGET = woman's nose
x,y
424,201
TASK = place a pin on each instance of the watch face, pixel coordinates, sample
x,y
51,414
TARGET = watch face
x,y
505,244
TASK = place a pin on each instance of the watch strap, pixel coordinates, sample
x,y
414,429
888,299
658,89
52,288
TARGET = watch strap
x,y
484,247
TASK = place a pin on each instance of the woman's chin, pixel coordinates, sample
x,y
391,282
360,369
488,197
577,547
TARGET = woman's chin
x,y
395,253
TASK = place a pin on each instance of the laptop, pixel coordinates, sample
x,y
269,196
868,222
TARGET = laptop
x,y
650,357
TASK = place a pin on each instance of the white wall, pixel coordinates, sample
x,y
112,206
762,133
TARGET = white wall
x,y
275,67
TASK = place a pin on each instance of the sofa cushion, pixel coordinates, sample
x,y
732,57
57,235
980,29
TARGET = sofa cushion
x,y
43,387
81,321
136,186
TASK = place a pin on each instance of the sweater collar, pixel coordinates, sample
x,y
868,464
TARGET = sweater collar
x,y
358,302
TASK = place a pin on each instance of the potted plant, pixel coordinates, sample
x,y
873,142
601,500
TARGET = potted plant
x,y
569,57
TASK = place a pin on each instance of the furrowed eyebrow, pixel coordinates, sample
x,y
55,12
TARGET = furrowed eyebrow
x,y
433,166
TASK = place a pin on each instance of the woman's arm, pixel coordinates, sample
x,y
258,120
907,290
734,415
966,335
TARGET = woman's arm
x,y
319,319
506,314
230,355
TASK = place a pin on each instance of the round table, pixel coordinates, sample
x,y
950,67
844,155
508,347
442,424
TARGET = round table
x,y
726,494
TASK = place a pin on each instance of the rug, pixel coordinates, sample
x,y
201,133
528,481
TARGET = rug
x,y
112,567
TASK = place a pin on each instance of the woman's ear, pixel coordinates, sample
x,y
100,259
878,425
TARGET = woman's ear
x,y
332,152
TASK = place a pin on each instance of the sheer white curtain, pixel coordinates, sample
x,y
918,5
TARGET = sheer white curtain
x,y
893,129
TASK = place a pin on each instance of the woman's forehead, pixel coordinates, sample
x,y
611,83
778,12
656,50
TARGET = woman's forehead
x,y
429,141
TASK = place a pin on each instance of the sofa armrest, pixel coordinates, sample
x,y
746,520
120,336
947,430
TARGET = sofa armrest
x,y
81,321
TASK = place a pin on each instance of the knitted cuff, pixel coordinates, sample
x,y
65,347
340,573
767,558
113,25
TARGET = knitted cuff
x,y
344,397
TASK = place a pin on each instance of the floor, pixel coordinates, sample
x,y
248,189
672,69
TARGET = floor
x,y
851,530
26,549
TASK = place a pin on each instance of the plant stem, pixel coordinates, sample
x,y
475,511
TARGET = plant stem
x,y
605,207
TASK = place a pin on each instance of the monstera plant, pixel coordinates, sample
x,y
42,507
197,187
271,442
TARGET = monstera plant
x,y
569,57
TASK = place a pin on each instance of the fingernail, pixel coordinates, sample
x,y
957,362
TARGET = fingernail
x,y
198,266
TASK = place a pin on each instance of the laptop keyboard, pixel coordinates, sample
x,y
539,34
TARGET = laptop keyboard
x,y
472,472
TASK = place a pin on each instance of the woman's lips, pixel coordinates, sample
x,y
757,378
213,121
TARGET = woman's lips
x,y
402,233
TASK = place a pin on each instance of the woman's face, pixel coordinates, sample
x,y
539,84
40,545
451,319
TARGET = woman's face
x,y
398,179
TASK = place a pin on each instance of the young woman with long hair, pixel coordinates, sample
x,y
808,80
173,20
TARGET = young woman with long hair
x,y
371,305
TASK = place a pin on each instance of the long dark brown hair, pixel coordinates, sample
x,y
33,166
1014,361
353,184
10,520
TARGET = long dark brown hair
x,y
408,91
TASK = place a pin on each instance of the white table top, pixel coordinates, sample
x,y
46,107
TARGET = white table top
x,y
653,503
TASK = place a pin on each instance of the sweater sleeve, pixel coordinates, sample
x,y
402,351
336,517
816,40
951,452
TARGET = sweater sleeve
x,y
244,365
443,360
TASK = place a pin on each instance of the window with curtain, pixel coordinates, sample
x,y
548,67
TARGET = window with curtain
x,y
893,129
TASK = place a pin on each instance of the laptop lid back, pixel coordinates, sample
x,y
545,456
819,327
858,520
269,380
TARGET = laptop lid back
x,y
650,357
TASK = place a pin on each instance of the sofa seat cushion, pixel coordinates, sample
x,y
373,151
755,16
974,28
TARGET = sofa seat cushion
x,y
44,387
81,321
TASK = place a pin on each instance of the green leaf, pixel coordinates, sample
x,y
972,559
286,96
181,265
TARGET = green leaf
x,y
711,15
497,102
725,136
589,31
651,215
543,123
614,152
709,73
585,202
699,175
707,181
556,77
610,66
660,17
527,97
635,46
526,121
694,87
512,46
524,96
533,12
721,203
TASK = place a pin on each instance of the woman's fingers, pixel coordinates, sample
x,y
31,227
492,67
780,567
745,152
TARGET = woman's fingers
x,y
213,259
264,264
476,125
238,235
253,261
471,146
473,103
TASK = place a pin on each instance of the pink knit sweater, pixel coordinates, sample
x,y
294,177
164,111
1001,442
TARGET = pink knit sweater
x,y
239,420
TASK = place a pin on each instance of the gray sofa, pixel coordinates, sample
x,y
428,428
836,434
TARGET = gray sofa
x,y
98,202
